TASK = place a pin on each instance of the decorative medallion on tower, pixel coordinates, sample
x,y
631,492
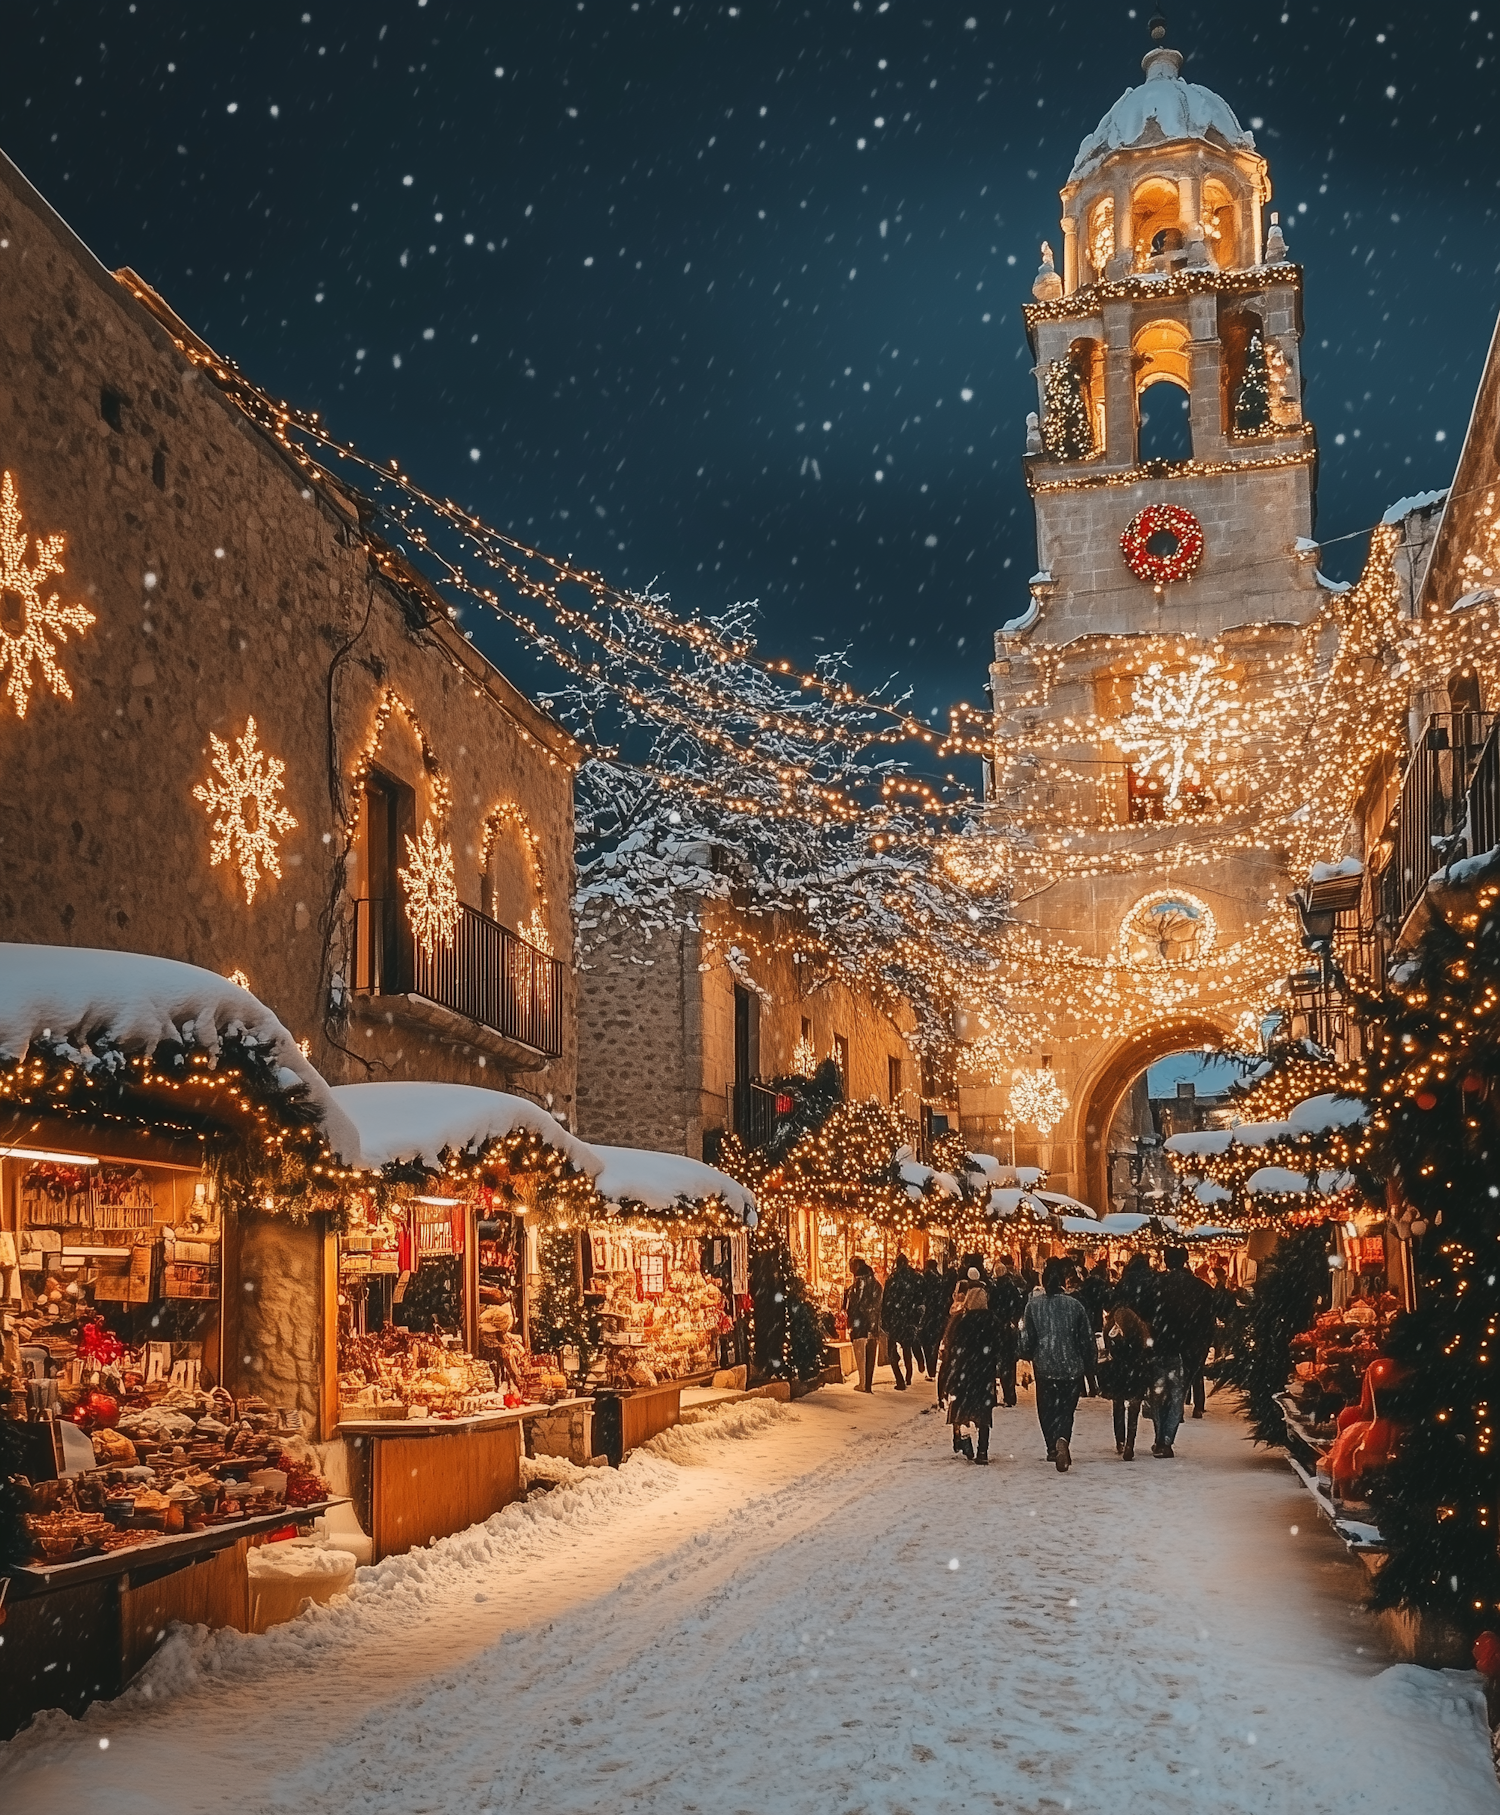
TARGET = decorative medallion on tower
x,y
1169,926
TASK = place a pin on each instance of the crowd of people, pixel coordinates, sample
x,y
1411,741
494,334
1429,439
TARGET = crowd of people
x,y
1140,1338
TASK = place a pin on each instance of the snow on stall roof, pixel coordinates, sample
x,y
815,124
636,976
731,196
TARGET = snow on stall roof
x,y
1328,872
1403,507
1467,869
1207,1192
78,996
1261,1134
1314,1115
987,1164
1276,1181
1072,1206
1027,1177
415,1122
1332,1184
1164,102
1204,1140
1009,1200
667,1181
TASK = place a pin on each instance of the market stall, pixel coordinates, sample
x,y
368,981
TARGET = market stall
x,y
436,1361
142,1104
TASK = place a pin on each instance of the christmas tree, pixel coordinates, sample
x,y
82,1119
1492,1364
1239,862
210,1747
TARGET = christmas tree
x,y
1287,1295
1067,432
1252,397
788,1342
1433,1069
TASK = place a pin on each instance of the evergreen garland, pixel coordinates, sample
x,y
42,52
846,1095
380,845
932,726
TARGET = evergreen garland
x,y
1067,432
1288,1290
1252,397
1433,1063
814,1099
558,1317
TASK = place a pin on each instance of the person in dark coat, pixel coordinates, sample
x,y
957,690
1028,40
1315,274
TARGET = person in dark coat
x,y
862,1308
934,1315
966,1375
1130,1369
1136,1287
1094,1291
1058,1342
900,1317
1007,1302
1182,1331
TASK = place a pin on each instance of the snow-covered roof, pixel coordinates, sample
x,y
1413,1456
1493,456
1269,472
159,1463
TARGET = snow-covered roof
x,y
1203,1140
414,1123
1261,1134
1207,1192
1027,1177
919,1179
1403,507
1276,1181
1070,1206
1315,1115
1163,108
1010,1200
667,1181
82,998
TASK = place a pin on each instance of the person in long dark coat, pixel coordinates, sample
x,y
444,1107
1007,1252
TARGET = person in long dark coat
x,y
934,1315
1007,1302
1128,1372
901,1310
966,1375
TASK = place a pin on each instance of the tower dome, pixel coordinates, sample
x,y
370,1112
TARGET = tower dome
x,y
1161,109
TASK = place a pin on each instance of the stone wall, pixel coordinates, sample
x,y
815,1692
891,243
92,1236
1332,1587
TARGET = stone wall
x,y
634,993
273,1337
225,585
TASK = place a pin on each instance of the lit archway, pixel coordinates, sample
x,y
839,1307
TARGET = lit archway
x,y
1104,1091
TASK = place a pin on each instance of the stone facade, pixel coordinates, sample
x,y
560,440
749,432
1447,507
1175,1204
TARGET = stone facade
x,y
657,1048
226,584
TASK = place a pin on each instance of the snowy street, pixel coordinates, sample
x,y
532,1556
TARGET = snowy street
x,y
815,1608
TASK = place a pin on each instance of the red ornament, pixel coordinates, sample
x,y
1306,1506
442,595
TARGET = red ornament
x,y
95,1411
1487,1654
784,1103
1161,565
1426,1099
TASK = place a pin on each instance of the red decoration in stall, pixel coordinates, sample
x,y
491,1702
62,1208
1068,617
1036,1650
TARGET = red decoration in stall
x,y
1162,543
1426,1099
1487,1654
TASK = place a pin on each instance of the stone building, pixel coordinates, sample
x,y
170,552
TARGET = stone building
x,y
246,734
679,1029
1172,473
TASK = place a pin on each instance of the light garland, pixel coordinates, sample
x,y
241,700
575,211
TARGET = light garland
x,y
1179,721
44,623
1187,280
1175,469
535,931
250,819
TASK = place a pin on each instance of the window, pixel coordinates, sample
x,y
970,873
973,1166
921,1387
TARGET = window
x,y
387,812
893,1079
841,1059
111,403
746,1034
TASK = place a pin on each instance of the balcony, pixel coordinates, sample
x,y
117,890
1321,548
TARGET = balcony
x,y
488,988
1435,818
750,1110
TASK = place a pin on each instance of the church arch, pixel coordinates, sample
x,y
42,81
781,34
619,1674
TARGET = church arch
x,y
1113,1076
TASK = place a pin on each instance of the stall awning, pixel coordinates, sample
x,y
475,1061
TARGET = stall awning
x,y
413,1124
91,1006
667,1182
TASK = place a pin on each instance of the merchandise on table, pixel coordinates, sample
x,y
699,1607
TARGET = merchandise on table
x,y
189,1461
662,1316
1330,1359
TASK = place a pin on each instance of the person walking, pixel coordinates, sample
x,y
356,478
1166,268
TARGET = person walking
x,y
1130,1369
1181,1333
1094,1290
1007,1302
900,1317
934,1317
966,1375
862,1308
1058,1342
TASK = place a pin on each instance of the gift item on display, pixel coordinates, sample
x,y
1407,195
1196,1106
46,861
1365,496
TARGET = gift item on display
x,y
662,1316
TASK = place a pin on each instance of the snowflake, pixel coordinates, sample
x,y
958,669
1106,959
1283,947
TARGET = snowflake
x,y
39,624
1179,722
245,801
1037,1099
431,892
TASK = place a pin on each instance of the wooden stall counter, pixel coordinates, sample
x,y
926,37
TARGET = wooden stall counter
x,y
425,1478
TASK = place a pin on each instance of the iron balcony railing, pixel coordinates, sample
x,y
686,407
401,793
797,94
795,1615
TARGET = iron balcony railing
x,y
1432,808
487,973
1484,796
751,1112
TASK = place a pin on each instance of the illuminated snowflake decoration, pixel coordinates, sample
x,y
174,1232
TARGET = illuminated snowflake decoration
x,y
804,1058
1182,726
1036,1098
244,798
33,634
431,892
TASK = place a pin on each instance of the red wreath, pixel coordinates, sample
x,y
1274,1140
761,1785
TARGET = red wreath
x,y
1162,520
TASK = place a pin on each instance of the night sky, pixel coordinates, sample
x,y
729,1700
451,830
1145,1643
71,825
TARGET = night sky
x,y
728,296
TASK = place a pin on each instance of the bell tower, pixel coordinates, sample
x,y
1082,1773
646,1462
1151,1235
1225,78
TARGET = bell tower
x,y
1175,310
1136,693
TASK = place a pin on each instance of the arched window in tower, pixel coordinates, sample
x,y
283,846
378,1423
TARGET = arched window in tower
x,y
1101,243
1220,232
1247,373
1073,420
1155,221
1163,380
